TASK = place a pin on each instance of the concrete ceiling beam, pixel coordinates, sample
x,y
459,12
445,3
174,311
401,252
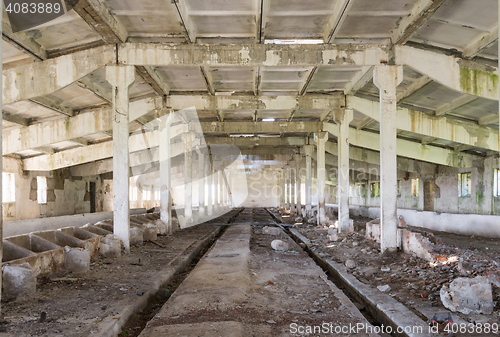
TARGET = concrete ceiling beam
x,y
22,41
335,21
359,80
250,55
456,103
431,126
407,149
481,42
70,128
461,75
413,88
98,16
246,102
409,24
15,119
55,106
46,77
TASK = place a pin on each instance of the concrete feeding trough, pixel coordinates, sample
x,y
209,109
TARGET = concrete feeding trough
x,y
65,249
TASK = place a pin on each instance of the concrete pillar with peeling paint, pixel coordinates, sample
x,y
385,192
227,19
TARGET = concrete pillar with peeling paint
x,y
308,151
298,203
344,117
166,173
321,138
216,188
187,139
121,79
287,187
210,205
387,78
293,208
201,181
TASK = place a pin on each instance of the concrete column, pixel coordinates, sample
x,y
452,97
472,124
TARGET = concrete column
x,y
210,187
121,78
343,119
1,183
216,188
281,187
287,187
292,187
387,78
308,150
201,182
321,138
166,173
187,139
298,182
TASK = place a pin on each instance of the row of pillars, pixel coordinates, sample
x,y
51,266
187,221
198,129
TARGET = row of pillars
x,y
210,173
386,78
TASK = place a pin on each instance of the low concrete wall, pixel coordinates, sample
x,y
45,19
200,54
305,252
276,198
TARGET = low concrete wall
x,y
12,228
466,224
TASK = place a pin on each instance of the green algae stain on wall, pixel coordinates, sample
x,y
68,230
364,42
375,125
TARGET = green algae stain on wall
x,y
479,82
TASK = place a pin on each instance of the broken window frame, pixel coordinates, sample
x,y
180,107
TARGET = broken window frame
x,y
375,189
8,187
464,184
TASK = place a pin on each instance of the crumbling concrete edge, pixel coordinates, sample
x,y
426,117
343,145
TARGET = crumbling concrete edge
x,y
111,326
383,307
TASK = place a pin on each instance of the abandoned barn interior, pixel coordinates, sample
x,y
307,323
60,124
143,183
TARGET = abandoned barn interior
x,y
251,167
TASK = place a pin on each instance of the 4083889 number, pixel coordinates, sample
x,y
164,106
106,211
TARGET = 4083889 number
x,y
33,8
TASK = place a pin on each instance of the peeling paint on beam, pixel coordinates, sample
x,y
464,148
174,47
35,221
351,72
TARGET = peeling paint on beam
x,y
250,55
464,76
43,78
260,127
245,102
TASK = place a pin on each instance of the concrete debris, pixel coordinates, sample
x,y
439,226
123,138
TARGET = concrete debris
x,y
312,220
161,227
385,288
299,219
350,264
19,281
150,232
271,230
279,245
385,269
136,236
76,260
468,295
332,234
110,246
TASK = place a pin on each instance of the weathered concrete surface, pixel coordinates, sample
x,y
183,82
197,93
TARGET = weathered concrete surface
x,y
12,228
243,289
468,295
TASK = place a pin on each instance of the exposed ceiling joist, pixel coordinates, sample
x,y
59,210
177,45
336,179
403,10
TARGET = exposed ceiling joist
x,y
359,80
420,13
46,77
456,103
250,55
335,21
461,75
205,73
15,119
55,106
182,12
97,15
413,88
480,43
151,77
22,41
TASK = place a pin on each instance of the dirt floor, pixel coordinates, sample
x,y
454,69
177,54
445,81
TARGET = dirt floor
x,y
414,282
243,287
73,305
